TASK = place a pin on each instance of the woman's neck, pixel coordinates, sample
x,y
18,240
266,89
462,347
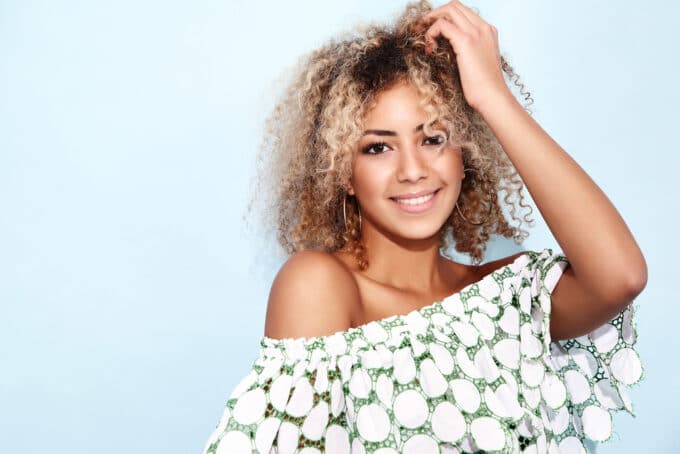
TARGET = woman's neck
x,y
415,265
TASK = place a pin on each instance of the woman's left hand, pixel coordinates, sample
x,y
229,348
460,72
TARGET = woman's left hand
x,y
475,43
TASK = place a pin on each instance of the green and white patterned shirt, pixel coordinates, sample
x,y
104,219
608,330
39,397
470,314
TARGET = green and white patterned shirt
x,y
475,371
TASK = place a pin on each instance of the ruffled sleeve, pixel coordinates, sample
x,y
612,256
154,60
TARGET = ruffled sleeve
x,y
291,399
573,385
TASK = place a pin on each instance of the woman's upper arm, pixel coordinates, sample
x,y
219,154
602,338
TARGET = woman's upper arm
x,y
575,310
313,294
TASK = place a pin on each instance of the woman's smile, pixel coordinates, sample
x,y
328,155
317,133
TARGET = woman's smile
x,y
418,204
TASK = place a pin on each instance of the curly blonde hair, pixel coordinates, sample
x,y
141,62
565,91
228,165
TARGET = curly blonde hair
x,y
305,159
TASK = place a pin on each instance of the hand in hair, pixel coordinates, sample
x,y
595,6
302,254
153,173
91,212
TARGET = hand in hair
x,y
475,43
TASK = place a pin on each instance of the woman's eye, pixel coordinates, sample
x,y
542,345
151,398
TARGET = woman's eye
x,y
375,148
435,140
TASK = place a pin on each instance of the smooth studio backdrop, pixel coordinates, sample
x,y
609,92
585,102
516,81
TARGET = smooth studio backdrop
x,y
132,297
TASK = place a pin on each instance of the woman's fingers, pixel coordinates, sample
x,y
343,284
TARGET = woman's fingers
x,y
447,29
471,15
462,17
450,13
475,43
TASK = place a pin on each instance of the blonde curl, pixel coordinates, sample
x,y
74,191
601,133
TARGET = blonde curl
x,y
305,158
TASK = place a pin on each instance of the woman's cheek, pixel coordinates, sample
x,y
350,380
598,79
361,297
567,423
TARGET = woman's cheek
x,y
371,174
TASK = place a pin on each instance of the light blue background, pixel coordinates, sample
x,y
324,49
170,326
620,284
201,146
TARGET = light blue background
x,y
132,298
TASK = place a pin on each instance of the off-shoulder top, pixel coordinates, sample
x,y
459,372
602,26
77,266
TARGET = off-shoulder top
x,y
474,371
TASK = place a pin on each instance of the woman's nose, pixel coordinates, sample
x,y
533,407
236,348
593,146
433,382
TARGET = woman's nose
x,y
413,165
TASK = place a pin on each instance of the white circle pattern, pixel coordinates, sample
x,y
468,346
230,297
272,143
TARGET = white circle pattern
x,y
475,371
410,409
373,423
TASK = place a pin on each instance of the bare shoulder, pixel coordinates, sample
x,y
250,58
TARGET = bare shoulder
x,y
313,294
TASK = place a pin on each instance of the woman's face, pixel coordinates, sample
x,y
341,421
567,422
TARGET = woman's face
x,y
395,159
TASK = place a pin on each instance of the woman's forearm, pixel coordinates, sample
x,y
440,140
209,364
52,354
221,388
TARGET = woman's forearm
x,y
587,226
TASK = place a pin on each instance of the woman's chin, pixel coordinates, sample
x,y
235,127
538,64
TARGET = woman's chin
x,y
413,226
418,231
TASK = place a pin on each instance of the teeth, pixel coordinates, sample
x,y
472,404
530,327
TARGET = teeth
x,y
417,200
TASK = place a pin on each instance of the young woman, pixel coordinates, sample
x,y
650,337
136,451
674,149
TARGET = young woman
x,y
389,145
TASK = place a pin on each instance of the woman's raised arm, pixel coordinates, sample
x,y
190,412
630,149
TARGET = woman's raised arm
x,y
607,269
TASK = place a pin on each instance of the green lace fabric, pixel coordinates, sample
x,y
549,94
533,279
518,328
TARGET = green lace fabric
x,y
476,371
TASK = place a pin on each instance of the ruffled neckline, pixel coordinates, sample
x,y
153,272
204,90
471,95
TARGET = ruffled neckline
x,y
270,342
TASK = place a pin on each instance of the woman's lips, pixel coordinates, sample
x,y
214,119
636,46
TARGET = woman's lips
x,y
417,204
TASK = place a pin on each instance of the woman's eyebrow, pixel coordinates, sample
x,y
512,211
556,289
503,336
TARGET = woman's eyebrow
x,y
384,132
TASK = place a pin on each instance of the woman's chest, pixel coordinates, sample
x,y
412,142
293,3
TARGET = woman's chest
x,y
379,301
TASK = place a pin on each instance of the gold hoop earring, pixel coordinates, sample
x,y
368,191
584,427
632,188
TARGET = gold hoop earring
x,y
344,213
488,214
